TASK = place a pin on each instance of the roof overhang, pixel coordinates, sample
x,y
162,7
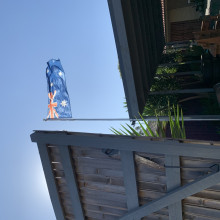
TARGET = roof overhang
x,y
139,37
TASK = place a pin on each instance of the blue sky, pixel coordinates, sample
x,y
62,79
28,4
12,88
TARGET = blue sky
x,y
79,32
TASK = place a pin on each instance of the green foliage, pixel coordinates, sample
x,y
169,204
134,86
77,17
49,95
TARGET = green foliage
x,y
119,69
158,103
167,70
210,105
199,5
176,123
177,130
192,53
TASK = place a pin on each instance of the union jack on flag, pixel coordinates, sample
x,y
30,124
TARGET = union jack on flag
x,y
58,98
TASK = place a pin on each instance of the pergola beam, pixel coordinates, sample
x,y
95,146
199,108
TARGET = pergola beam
x,y
183,91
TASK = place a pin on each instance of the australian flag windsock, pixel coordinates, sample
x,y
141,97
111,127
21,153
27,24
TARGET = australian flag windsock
x,y
58,98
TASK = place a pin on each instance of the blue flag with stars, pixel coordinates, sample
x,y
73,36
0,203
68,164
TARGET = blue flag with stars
x,y
58,98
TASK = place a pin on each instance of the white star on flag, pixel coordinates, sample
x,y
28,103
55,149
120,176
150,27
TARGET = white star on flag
x,y
60,73
64,103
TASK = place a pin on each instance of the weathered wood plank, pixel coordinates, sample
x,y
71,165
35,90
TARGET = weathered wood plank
x,y
71,181
140,144
51,183
130,183
173,182
174,196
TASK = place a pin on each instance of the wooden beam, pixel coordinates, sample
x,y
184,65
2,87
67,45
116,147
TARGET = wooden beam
x,y
124,56
174,196
173,177
189,73
183,91
71,181
179,42
51,183
177,64
140,144
130,183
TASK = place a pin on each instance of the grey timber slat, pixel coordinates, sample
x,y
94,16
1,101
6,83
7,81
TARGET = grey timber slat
x,y
139,144
146,30
157,27
174,196
146,42
51,184
121,40
130,183
173,181
148,35
152,32
183,91
144,64
71,180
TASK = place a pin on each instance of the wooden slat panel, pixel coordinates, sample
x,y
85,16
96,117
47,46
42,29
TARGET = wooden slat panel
x,y
173,182
51,183
102,186
71,181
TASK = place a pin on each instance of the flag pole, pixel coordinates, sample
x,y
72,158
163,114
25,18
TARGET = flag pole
x,y
149,118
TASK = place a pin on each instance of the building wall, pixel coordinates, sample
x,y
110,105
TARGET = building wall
x,y
183,14
178,11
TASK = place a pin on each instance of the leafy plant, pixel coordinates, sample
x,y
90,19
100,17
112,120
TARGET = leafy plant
x,y
199,5
158,103
176,127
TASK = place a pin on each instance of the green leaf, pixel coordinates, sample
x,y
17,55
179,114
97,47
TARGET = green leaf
x,y
144,130
124,132
116,131
148,127
127,130
135,132
160,128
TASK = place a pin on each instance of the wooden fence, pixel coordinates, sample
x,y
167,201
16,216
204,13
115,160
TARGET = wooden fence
x,y
151,178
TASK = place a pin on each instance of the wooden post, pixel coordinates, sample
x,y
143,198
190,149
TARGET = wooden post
x,y
51,183
130,182
71,181
173,182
